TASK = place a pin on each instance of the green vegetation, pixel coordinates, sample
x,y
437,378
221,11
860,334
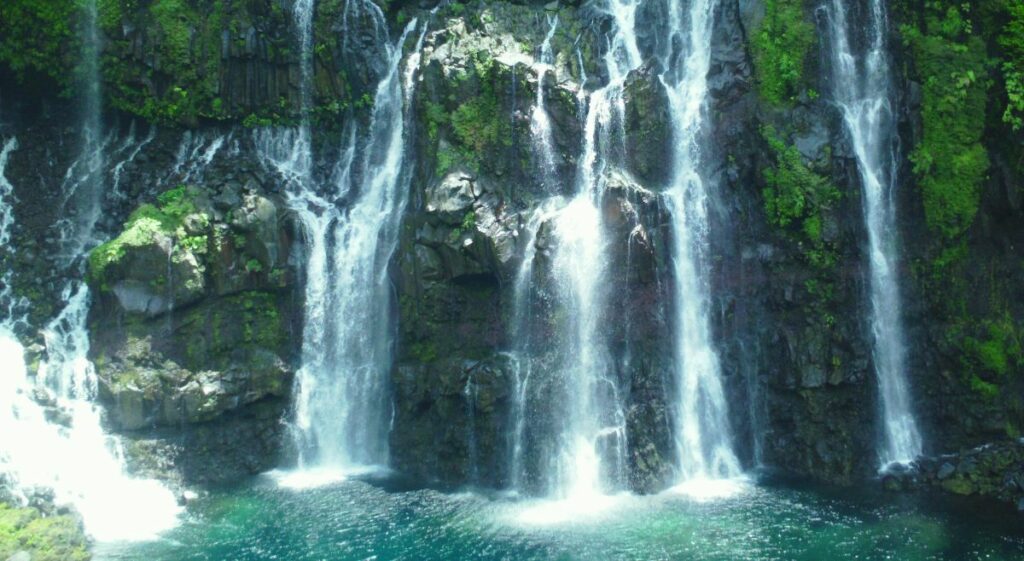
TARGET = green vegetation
x,y
1012,42
37,38
958,51
797,199
142,228
423,352
989,359
182,73
951,163
436,117
473,129
800,203
479,124
52,538
183,83
780,47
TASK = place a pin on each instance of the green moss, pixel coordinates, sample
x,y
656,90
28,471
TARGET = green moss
x,y
1012,42
475,128
469,221
436,117
796,198
37,37
446,159
227,332
780,48
54,538
479,124
179,79
950,161
423,352
993,356
144,226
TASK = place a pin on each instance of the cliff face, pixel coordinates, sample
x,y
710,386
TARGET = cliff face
x,y
196,321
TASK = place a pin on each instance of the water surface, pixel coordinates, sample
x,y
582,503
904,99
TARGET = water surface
x,y
380,519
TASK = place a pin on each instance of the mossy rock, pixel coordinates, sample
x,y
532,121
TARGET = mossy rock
x,y
157,258
44,538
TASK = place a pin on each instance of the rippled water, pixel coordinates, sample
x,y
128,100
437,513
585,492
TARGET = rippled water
x,y
360,519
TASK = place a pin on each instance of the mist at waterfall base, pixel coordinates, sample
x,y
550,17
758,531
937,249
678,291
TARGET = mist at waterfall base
x,y
383,519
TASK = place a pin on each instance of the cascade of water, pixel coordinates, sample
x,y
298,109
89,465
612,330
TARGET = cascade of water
x,y
10,306
588,458
540,123
131,148
194,154
82,465
863,91
82,191
524,337
702,435
470,394
70,455
341,401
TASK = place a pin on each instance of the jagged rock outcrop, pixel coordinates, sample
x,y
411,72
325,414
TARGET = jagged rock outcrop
x,y
992,471
193,327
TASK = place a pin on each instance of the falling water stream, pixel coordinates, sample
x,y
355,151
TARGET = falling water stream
x,y
863,91
341,402
702,435
540,121
54,439
589,458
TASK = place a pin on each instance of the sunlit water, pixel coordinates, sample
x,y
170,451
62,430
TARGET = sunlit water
x,y
362,519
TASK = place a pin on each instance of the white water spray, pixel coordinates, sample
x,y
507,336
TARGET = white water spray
x,y
863,91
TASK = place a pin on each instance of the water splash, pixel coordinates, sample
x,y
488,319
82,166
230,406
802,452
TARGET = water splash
x,y
863,91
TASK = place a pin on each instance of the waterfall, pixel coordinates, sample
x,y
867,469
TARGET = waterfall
x,y
588,459
540,123
82,191
525,338
863,91
471,394
702,435
341,400
131,148
55,438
